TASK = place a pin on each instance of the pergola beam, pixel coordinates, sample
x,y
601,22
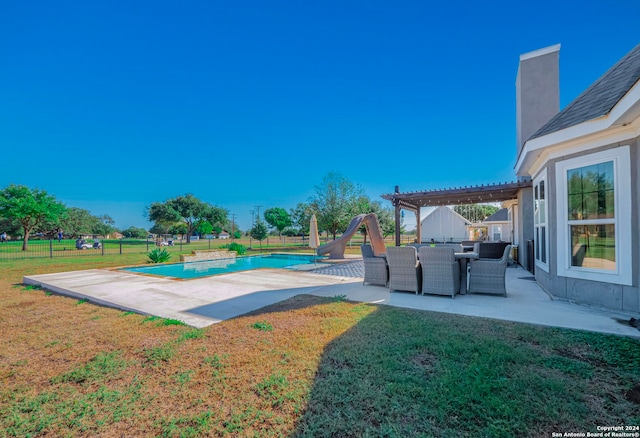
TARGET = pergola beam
x,y
413,201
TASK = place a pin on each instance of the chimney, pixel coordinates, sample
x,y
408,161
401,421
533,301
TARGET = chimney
x,y
537,91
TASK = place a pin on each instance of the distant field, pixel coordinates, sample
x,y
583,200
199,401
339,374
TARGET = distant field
x,y
67,247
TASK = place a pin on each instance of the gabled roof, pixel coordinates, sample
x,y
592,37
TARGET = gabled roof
x,y
501,215
600,98
454,215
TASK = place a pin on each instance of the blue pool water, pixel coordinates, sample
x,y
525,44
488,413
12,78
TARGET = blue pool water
x,y
224,266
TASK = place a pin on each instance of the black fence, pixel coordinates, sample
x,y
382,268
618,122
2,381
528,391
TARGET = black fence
x,y
40,248
53,248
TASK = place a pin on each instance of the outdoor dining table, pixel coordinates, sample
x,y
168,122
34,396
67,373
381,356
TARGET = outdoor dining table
x,y
463,258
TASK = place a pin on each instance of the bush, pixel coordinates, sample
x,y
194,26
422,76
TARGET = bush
x,y
158,255
237,247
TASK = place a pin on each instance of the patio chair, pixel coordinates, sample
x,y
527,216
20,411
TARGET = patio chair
x,y
440,271
404,269
487,276
457,247
375,267
490,250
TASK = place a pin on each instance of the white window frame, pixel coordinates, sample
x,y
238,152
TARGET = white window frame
x,y
543,222
622,206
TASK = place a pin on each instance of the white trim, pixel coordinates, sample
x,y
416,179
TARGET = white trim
x,y
542,177
540,52
617,134
622,207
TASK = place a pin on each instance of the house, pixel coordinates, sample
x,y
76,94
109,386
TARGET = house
x,y
499,226
443,225
582,213
223,235
575,207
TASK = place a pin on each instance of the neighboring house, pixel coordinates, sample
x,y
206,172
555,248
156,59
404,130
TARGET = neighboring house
x,y
444,225
223,235
582,212
499,226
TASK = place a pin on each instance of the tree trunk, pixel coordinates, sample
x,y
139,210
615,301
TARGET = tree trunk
x,y
25,241
189,232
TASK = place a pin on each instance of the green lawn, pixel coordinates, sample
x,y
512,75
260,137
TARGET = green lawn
x,y
308,366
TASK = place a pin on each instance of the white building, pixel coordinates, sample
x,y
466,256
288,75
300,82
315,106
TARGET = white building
x,y
444,225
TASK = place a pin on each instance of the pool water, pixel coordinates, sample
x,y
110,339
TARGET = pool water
x,y
225,266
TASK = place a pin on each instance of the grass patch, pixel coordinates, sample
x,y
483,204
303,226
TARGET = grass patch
x,y
162,321
263,326
162,353
191,334
332,368
99,368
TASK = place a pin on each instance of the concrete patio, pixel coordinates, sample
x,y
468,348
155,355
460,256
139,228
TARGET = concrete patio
x,y
205,301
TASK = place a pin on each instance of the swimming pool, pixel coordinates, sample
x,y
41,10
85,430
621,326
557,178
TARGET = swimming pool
x,y
225,266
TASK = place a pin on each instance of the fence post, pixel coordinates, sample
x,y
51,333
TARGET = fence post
x,y
147,243
102,246
50,248
209,242
121,246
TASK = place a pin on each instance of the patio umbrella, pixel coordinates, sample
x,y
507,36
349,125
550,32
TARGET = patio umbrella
x,y
314,239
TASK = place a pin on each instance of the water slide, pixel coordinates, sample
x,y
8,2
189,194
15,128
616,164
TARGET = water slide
x,y
336,248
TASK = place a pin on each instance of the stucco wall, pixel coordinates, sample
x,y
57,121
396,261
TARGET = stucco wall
x,y
614,296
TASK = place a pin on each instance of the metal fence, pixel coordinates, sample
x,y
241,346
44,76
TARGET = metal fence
x,y
50,248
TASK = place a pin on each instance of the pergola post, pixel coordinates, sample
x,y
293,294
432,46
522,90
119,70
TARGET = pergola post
x,y
418,227
397,205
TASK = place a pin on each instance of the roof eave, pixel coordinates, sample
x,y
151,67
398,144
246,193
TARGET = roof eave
x,y
623,113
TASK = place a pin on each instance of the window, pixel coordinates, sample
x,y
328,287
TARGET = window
x,y
591,214
594,220
540,237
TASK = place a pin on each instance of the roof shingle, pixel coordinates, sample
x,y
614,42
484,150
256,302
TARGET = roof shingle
x,y
600,98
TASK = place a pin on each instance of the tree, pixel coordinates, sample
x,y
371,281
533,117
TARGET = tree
x,y
334,202
259,232
475,212
186,209
30,208
204,228
278,218
300,217
10,227
78,221
135,233
159,229
178,229
103,225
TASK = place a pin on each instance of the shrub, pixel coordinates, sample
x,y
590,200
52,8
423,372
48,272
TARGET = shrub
x,y
158,255
237,247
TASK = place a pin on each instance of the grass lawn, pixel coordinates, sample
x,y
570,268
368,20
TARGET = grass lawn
x,y
305,367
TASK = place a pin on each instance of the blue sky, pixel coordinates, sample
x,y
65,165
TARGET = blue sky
x,y
111,106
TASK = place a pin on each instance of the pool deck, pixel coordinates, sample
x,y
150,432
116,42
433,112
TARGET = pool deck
x,y
205,301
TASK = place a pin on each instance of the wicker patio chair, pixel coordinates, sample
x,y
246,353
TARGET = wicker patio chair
x,y
490,250
375,268
404,269
440,271
457,247
487,276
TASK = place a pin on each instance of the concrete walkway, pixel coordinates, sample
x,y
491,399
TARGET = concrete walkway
x,y
205,301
